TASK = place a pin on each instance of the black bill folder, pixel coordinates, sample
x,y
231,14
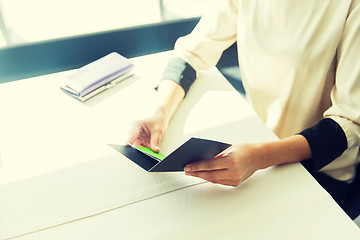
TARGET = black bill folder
x,y
193,150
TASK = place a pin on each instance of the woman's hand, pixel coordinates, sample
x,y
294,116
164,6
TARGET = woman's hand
x,y
149,132
231,167
239,162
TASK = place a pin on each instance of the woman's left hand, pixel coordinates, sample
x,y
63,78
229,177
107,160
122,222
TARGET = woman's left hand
x,y
231,167
237,163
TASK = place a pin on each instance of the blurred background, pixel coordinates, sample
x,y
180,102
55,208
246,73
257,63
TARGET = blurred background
x,y
26,21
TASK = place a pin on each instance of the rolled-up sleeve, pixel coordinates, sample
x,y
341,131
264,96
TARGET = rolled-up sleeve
x,y
203,47
345,95
216,31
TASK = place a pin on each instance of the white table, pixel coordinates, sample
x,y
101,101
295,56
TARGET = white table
x,y
61,180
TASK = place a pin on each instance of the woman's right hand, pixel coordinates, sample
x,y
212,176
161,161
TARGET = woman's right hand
x,y
149,132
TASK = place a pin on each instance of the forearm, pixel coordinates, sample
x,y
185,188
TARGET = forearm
x,y
289,150
170,95
176,81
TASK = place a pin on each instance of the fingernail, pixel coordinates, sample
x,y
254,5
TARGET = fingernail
x,y
157,149
187,168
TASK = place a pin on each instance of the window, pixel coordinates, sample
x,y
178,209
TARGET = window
x,y
37,20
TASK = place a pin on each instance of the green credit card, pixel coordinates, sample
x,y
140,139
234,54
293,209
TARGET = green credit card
x,y
150,152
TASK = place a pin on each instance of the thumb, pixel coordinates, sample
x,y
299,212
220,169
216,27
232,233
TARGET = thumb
x,y
226,152
155,142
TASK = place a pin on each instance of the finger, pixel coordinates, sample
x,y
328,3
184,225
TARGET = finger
x,y
156,137
217,177
211,176
140,143
140,134
207,165
134,132
231,183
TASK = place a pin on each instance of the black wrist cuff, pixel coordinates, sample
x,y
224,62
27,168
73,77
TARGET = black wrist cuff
x,y
327,142
180,72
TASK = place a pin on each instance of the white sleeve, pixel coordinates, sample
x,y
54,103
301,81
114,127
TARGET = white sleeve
x,y
345,95
215,32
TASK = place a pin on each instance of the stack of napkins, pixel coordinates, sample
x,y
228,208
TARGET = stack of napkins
x,y
97,76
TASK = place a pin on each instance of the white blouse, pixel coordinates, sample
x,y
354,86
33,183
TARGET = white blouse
x,y
299,60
